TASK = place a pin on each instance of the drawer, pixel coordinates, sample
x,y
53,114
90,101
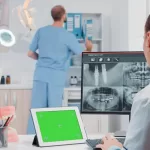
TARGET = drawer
x,y
74,94
71,104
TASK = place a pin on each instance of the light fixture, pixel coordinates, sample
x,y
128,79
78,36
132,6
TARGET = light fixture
x,y
7,38
25,17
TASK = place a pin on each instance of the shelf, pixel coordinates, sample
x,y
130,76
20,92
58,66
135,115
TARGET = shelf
x,y
97,41
75,67
73,88
94,40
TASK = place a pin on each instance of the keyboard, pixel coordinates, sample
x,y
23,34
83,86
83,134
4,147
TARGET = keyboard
x,y
93,142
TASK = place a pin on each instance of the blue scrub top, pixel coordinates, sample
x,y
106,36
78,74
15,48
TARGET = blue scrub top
x,y
55,46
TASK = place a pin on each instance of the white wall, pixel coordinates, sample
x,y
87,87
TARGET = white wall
x,y
119,25
16,58
137,17
148,7
127,24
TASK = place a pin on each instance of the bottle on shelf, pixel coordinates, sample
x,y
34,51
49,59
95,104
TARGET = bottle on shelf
x,y
2,80
8,80
75,80
71,81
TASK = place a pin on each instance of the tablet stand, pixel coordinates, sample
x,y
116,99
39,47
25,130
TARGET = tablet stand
x,y
35,141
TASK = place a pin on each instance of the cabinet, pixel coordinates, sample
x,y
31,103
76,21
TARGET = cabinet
x,y
4,98
21,100
77,24
94,30
26,111
93,123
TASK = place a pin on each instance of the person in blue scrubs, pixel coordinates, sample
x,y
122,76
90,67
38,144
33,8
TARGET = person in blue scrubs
x,y
55,47
138,134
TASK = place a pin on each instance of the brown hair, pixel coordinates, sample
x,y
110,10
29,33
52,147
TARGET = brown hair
x,y
57,12
147,24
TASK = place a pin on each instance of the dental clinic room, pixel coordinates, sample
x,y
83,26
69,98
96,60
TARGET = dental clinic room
x,y
74,75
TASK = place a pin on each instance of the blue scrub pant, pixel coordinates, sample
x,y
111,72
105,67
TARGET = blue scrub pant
x,y
44,95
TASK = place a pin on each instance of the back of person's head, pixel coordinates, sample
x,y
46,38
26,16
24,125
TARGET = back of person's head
x,y
58,13
147,24
146,44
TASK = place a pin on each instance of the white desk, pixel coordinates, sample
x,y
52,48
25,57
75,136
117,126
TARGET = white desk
x,y
25,143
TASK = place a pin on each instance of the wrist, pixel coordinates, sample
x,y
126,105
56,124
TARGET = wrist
x,y
89,49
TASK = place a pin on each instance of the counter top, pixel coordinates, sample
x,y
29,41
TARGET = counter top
x,y
16,86
25,143
29,87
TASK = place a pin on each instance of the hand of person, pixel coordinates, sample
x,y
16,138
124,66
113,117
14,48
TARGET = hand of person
x,y
109,141
88,45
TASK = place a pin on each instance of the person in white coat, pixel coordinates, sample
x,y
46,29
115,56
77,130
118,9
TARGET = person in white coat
x,y
138,134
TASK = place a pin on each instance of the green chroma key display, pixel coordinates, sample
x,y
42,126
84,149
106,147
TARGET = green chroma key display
x,y
58,126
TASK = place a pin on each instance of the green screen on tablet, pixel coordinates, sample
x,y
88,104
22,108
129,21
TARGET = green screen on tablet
x,y
59,125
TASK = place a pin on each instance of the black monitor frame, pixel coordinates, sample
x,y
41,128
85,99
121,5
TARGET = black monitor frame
x,y
108,112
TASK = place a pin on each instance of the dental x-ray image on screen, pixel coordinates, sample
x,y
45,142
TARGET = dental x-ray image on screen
x,y
110,81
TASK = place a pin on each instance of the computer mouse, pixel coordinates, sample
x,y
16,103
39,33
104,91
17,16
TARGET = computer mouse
x,y
97,148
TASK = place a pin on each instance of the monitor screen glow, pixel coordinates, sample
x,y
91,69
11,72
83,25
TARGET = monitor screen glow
x,y
110,81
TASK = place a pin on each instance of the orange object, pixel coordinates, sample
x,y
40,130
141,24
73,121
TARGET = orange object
x,y
8,80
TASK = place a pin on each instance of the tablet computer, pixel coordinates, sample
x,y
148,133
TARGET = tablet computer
x,y
58,126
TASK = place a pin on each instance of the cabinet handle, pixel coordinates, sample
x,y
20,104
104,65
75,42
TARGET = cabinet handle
x,y
6,99
15,100
99,126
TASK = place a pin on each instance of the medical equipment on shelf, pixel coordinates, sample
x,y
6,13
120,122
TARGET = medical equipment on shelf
x,y
73,80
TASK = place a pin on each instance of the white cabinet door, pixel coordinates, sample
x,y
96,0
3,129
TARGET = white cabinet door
x,y
4,98
17,101
91,123
96,124
26,110
103,124
21,100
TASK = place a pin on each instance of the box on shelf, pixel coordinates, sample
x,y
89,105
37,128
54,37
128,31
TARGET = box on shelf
x,y
88,29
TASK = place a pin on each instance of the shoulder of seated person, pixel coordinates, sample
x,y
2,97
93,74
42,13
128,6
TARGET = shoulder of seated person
x,y
144,94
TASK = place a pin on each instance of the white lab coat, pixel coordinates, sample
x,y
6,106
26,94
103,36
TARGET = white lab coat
x,y
138,134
